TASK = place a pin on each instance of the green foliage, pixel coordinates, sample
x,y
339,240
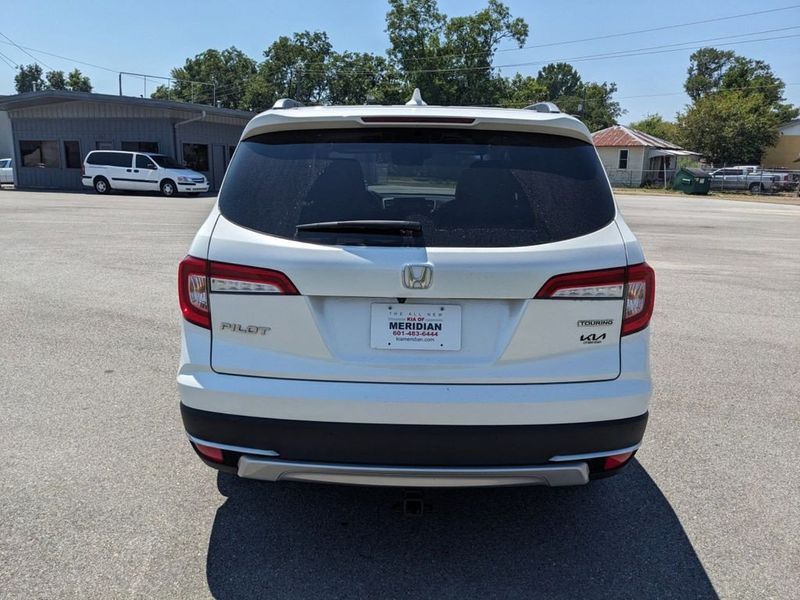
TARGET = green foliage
x,y
450,59
562,84
559,80
75,81
29,79
78,82
355,78
523,90
656,125
230,69
55,80
729,127
737,106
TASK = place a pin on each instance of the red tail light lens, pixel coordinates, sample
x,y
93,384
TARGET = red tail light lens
x,y
640,296
635,285
197,278
193,291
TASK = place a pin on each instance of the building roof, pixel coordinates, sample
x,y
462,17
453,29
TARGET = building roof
x,y
622,136
45,97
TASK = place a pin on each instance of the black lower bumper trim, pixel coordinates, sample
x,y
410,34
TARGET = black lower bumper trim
x,y
413,445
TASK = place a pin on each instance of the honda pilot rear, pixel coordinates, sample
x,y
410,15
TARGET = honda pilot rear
x,y
415,296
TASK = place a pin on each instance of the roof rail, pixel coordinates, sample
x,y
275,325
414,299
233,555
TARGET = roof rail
x,y
545,107
286,103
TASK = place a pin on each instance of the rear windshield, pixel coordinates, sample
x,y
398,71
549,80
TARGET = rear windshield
x,y
460,188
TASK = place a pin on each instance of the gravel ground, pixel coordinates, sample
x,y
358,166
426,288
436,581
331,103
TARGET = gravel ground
x,y
102,497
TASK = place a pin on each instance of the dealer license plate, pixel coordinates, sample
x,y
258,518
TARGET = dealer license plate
x,y
416,327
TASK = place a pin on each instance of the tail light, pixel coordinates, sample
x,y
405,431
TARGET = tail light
x,y
197,278
635,285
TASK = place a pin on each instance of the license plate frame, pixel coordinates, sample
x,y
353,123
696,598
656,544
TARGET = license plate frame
x,y
424,326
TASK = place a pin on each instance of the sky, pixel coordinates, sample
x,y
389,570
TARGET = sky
x,y
152,37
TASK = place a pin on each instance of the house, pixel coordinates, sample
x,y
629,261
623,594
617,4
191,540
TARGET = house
x,y
633,158
52,131
786,153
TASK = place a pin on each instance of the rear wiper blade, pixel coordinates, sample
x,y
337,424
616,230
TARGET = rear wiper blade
x,y
404,228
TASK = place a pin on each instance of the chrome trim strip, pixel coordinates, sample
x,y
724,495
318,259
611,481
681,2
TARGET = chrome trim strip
x,y
232,448
590,455
278,470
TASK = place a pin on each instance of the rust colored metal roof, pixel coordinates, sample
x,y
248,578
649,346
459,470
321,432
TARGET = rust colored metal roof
x,y
622,136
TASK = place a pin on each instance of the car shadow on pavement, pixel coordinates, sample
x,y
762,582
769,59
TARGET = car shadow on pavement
x,y
616,538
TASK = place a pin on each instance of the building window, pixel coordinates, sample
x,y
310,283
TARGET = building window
x,y
39,154
104,146
72,154
140,147
623,159
196,156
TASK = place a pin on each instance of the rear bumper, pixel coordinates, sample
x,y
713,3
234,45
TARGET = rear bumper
x,y
485,447
276,470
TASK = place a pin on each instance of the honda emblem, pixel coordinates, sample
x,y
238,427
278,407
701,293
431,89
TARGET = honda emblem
x,y
417,277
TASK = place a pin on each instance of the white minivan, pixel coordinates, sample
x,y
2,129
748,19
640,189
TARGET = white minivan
x,y
416,296
107,170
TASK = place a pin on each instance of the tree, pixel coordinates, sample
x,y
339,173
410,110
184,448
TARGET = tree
x,y
729,127
559,80
522,91
598,109
55,80
29,79
450,59
230,69
356,78
293,67
725,86
657,126
78,82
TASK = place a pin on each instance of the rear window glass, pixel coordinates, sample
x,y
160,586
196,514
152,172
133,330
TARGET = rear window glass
x,y
110,159
460,188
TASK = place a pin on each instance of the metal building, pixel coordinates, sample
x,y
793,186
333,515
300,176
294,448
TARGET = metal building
x,y
52,131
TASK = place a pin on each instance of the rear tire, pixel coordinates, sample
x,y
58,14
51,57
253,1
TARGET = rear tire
x,y
756,188
101,185
168,188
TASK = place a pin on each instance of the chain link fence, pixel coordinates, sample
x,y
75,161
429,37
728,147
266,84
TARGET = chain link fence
x,y
734,179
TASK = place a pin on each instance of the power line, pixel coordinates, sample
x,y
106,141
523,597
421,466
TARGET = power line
x,y
648,50
13,43
8,61
603,37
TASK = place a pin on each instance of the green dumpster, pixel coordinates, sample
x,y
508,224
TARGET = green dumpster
x,y
692,181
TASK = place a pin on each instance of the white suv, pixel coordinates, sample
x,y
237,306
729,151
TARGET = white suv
x,y
415,296
105,170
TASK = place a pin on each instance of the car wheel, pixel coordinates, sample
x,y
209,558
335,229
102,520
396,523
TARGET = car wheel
x,y
101,185
168,187
756,188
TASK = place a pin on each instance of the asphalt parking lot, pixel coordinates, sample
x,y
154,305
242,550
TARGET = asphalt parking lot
x,y
100,495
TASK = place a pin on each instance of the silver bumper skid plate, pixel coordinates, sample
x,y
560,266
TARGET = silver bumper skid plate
x,y
562,474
